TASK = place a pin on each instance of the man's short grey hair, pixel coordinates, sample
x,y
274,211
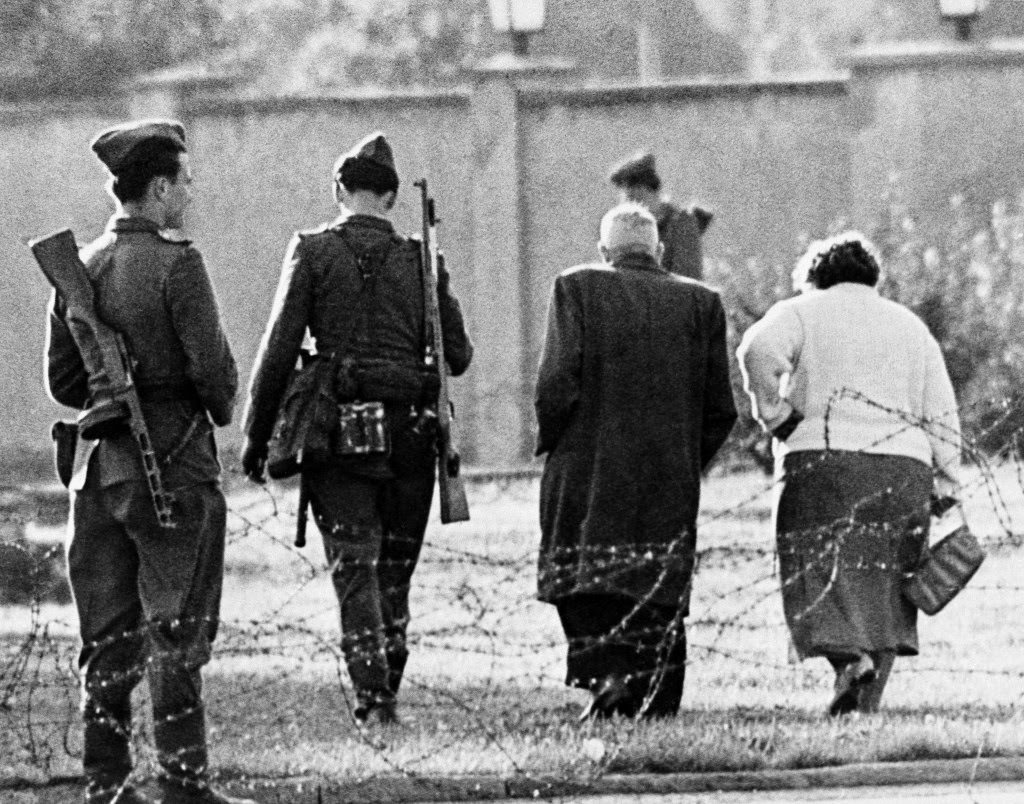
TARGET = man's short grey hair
x,y
629,227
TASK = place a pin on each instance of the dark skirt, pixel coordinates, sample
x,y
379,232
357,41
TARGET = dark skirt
x,y
614,635
849,525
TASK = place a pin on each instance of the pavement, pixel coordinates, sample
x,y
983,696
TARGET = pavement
x,y
997,780
978,793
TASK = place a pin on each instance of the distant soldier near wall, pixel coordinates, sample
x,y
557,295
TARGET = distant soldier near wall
x,y
679,228
147,592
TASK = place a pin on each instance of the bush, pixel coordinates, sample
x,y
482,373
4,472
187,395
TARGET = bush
x,y
961,270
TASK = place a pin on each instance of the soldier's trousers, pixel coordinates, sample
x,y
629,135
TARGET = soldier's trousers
x,y
373,531
148,602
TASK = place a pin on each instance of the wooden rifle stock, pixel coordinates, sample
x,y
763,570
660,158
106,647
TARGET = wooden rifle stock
x,y
451,487
104,356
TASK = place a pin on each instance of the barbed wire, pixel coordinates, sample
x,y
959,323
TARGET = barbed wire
x,y
488,659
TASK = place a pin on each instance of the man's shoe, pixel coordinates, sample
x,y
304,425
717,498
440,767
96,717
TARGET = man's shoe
x,y
610,697
849,682
119,794
202,793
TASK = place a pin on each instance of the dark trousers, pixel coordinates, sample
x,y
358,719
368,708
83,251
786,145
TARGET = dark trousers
x,y
373,532
642,643
148,602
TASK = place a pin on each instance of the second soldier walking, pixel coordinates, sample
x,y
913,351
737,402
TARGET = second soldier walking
x,y
356,285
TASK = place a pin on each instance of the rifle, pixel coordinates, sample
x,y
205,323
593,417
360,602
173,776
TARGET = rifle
x,y
105,356
303,512
452,489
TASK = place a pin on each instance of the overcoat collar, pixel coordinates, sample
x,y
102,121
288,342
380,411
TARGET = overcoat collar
x,y
638,262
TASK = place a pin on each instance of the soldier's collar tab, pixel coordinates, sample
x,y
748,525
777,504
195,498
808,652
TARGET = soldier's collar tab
x,y
136,223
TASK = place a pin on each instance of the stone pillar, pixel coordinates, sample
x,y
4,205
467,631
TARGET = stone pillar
x,y
502,375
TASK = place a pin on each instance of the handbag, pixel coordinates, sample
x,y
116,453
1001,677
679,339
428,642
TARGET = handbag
x,y
306,420
947,567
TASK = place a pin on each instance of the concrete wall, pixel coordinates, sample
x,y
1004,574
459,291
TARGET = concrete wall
x,y
518,166
940,118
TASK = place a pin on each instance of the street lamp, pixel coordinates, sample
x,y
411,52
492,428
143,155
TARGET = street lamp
x,y
518,18
963,13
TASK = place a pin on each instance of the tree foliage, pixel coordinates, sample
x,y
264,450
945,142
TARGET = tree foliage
x,y
73,48
89,47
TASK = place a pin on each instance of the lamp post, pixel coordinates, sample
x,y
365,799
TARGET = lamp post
x,y
963,13
519,19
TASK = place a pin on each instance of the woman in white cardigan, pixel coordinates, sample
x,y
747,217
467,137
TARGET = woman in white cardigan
x,y
855,390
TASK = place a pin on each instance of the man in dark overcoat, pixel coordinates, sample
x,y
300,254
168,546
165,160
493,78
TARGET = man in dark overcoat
x,y
356,285
633,400
148,597
680,228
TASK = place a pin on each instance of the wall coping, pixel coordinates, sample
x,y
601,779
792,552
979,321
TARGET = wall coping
x,y
189,77
17,110
598,94
930,54
228,105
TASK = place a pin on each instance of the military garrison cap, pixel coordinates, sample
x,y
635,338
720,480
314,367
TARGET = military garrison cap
x,y
370,160
115,145
638,169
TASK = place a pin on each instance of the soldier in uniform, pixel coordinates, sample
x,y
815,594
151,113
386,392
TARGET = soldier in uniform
x,y
148,597
680,228
356,285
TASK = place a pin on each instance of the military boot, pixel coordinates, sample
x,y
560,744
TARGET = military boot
x,y
106,755
96,793
181,744
196,793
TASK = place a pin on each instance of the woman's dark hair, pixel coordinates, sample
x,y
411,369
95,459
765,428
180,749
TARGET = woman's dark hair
x,y
157,156
846,258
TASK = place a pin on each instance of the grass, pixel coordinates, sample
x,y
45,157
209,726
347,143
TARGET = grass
x,y
484,693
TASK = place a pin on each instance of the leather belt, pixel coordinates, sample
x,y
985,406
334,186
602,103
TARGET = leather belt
x,y
169,392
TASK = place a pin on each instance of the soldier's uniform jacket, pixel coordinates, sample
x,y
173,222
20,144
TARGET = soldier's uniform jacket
x,y
156,292
378,320
680,230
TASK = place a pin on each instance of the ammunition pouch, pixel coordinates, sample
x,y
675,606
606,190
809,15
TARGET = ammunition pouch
x,y
362,429
65,441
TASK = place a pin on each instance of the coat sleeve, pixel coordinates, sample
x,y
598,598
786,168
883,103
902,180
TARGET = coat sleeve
x,y
719,405
942,421
66,379
458,349
195,315
767,354
561,367
279,348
